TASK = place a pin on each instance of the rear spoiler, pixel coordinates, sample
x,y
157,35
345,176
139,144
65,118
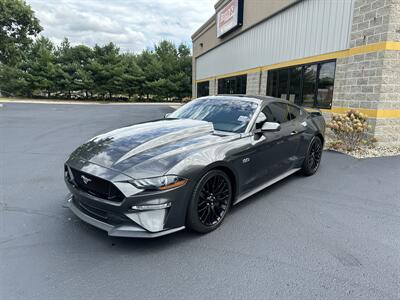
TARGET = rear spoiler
x,y
314,112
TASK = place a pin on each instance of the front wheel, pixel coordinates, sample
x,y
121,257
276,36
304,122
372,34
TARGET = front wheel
x,y
313,157
210,202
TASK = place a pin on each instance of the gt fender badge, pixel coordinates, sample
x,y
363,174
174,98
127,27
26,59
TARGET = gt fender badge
x,y
245,160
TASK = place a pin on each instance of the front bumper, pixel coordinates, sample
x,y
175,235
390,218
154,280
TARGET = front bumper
x,y
136,213
125,230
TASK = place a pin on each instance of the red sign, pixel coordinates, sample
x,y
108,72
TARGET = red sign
x,y
228,17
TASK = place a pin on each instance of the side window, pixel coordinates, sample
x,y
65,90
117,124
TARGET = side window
x,y
294,112
267,112
279,113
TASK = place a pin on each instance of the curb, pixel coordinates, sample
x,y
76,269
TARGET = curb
x,y
172,104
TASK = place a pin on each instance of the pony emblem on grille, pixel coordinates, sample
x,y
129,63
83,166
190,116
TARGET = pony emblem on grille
x,y
85,179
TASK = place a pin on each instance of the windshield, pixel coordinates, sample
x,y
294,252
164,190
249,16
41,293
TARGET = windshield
x,y
230,115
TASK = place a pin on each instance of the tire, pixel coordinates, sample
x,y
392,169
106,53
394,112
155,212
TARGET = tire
x,y
313,157
210,202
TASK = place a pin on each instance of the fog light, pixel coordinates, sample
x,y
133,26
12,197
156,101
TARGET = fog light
x,y
152,206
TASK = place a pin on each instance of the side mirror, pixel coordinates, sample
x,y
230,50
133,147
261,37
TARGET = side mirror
x,y
166,115
270,126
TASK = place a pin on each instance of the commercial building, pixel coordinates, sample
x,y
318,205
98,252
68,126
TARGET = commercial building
x,y
329,54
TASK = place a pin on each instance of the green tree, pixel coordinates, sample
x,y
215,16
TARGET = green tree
x,y
40,67
107,70
176,68
65,70
167,55
151,68
83,79
18,25
13,81
185,71
133,77
73,72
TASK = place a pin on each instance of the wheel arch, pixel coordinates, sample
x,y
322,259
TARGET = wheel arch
x,y
319,135
229,171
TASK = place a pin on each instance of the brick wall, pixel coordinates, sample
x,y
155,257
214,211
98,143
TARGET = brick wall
x,y
263,85
213,88
372,80
374,21
253,83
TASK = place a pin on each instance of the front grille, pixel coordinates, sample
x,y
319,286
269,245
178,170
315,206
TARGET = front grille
x,y
96,186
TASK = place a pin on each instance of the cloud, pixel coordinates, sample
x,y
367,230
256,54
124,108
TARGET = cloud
x,y
132,25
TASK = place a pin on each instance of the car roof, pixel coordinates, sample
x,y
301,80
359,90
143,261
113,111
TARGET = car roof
x,y
253,98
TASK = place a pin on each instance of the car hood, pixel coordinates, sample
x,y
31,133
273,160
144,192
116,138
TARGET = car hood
x,y
149,149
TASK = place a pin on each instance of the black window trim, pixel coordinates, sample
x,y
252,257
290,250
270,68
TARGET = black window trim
x,y
297,107
318,63
317,83
260,109
236,78
199,85
252,124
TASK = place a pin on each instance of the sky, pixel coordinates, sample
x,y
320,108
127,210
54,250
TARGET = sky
x,y
133,25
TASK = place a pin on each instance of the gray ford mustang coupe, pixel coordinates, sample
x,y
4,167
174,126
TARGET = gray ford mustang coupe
x,y
188,169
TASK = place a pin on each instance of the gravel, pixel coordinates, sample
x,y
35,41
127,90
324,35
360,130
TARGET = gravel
x,y
375,150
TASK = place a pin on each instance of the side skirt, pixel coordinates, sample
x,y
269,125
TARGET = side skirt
x,y
265,185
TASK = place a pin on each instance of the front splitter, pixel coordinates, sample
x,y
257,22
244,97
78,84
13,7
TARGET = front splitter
x,y
121,230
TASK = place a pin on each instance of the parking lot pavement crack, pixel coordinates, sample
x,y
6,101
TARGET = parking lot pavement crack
x,y
6,208
14,238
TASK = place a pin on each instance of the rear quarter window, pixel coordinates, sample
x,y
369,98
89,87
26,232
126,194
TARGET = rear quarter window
x,y
280,112
294,112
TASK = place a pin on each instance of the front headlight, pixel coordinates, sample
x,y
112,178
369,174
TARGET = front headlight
x,y
161,183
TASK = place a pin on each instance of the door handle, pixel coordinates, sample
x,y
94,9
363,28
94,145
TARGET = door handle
x,y
294,132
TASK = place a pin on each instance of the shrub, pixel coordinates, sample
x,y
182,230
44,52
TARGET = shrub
x,y
350,130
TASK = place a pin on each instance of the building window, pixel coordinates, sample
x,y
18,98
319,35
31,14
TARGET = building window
x,y
283,80
203,89
272,85
307,85
295,75
232,85
326,77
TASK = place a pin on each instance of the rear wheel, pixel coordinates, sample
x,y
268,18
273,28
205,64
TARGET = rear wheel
x,y
313,157
210,202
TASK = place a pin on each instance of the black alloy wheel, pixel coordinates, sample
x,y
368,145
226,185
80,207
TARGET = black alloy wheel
x,y
213,200
210,202
313,157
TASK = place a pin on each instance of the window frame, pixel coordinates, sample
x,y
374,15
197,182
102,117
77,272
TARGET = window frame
x,y
317,85
288,83
268,105
199,84
252,124
298,108
233,83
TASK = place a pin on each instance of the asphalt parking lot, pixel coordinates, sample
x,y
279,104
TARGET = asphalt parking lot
x,y
335,235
